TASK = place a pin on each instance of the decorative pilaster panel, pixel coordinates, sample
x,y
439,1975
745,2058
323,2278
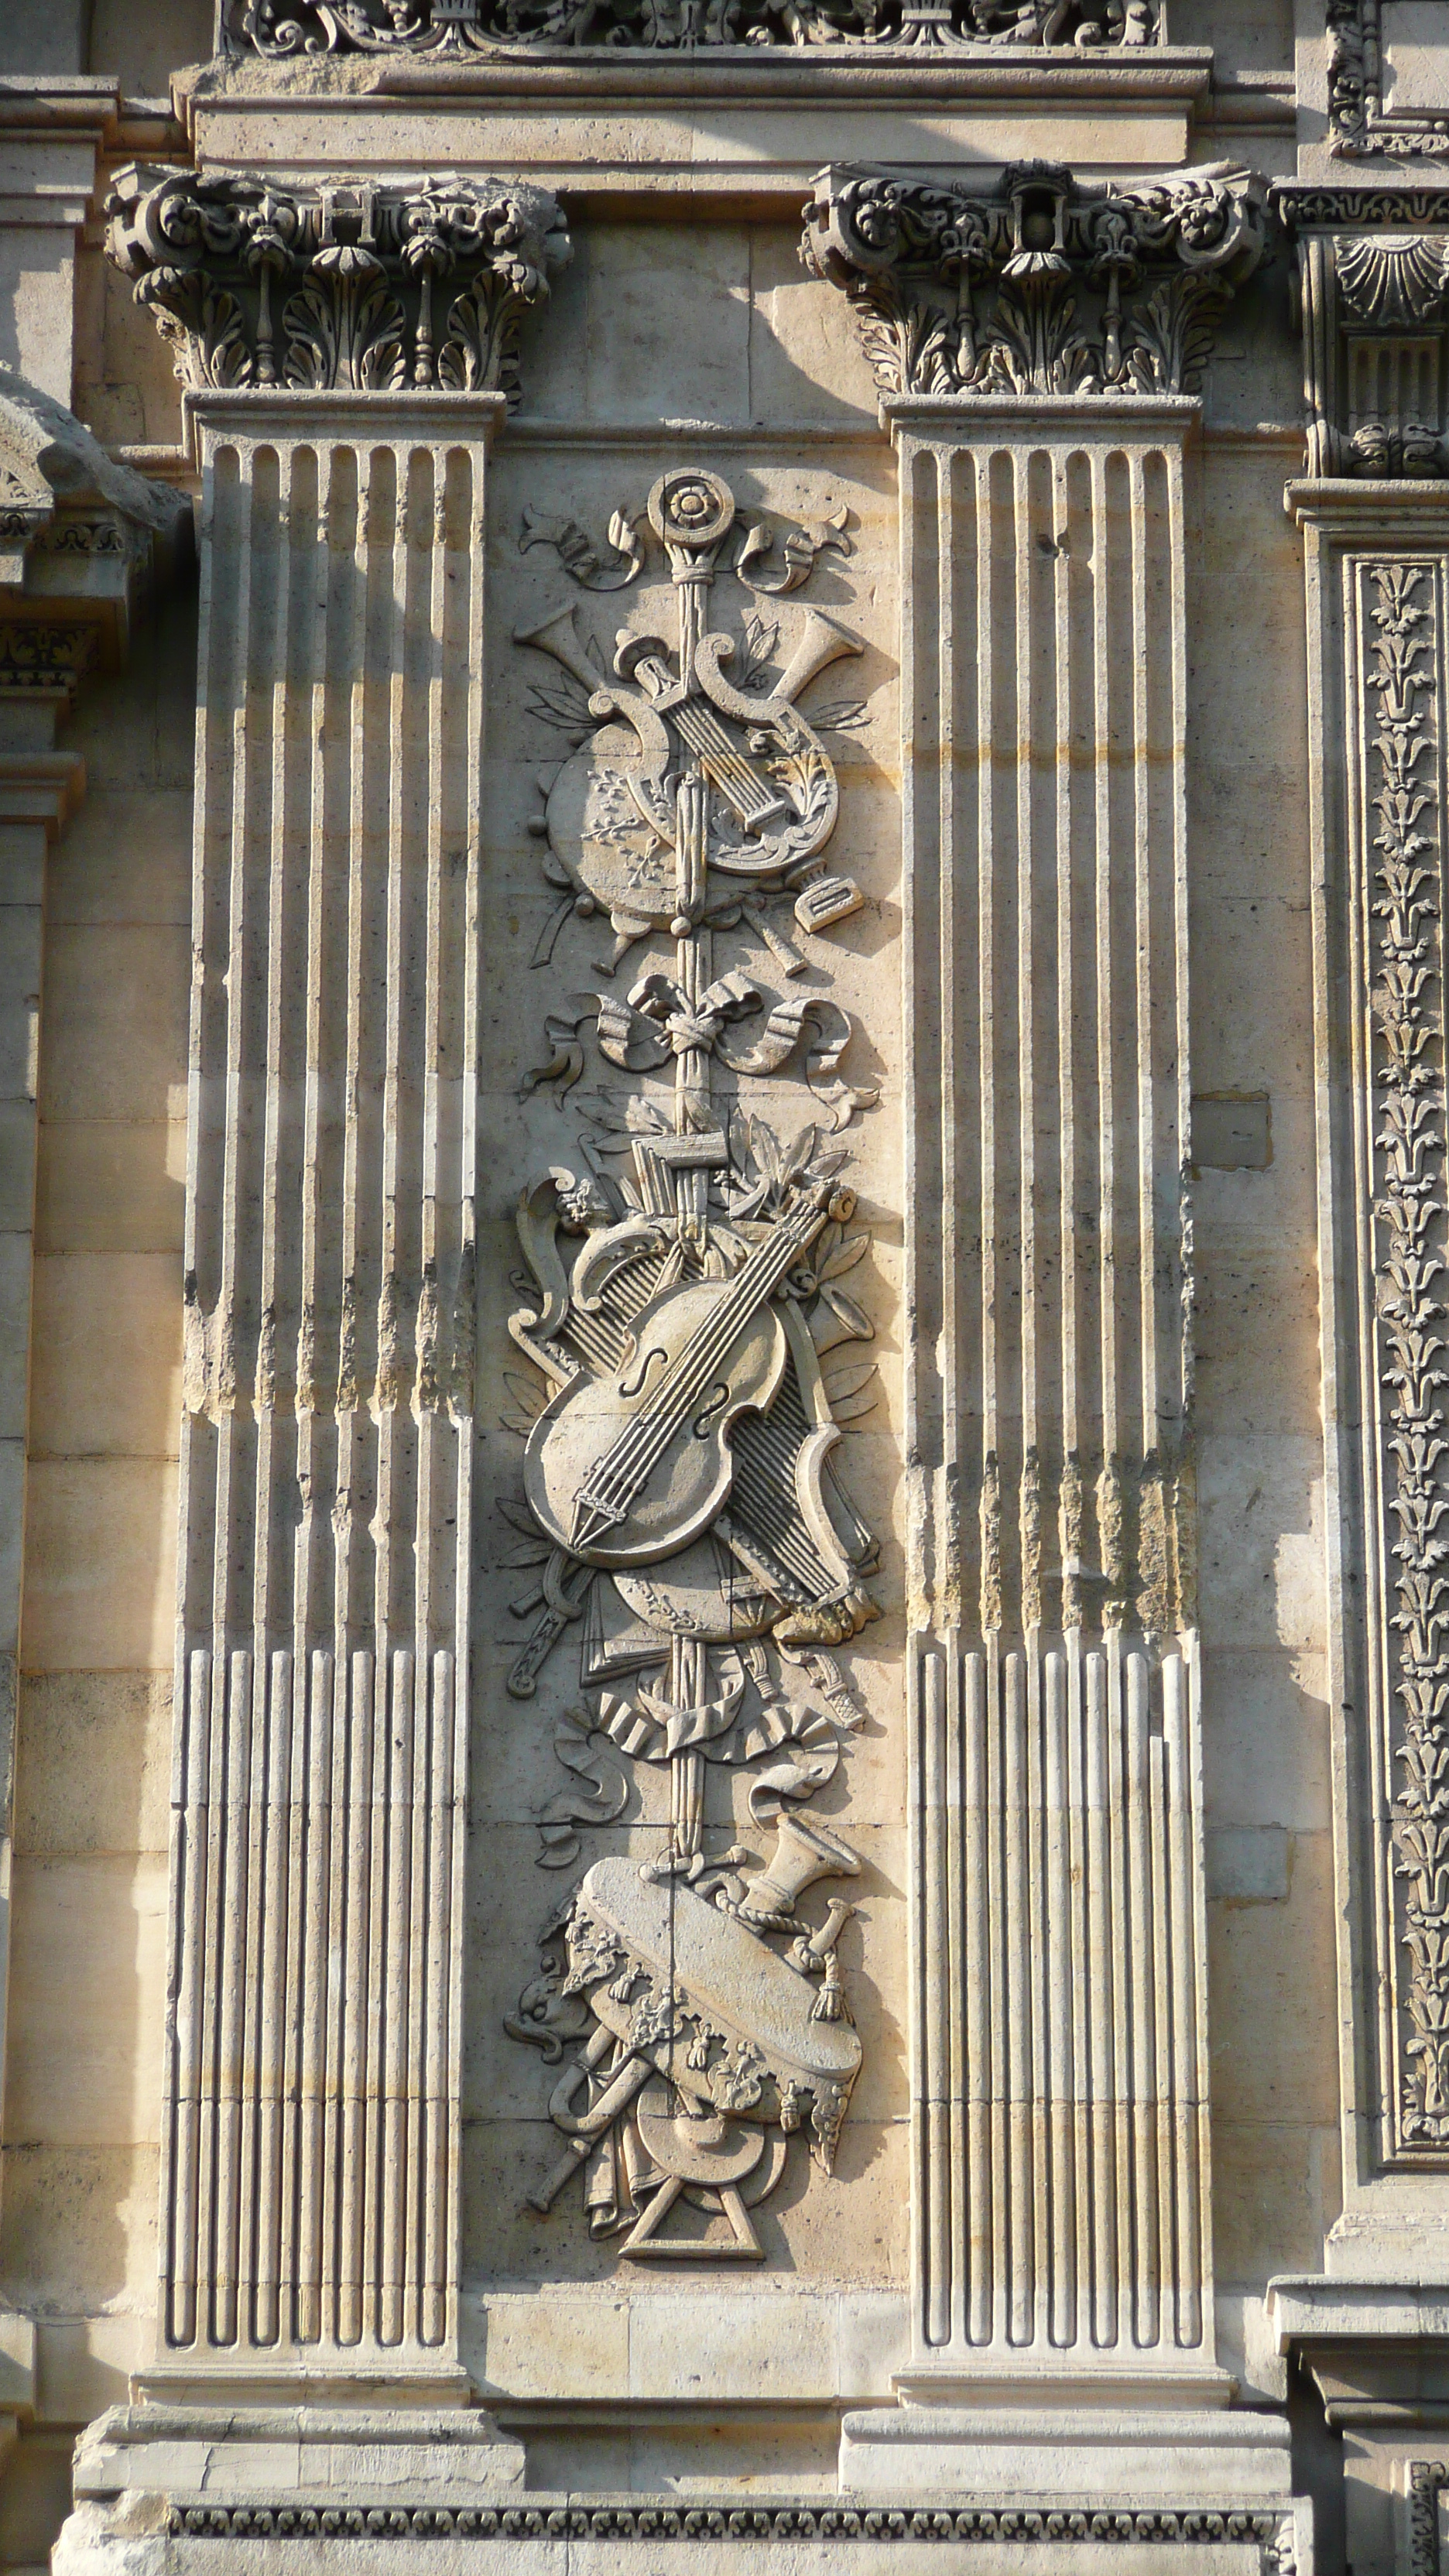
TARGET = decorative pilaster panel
x,y
1060,2052
348,351
1036,349
310,2197
1373,266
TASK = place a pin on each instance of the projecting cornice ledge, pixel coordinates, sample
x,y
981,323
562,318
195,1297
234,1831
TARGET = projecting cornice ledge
x,y
1047,287
83,545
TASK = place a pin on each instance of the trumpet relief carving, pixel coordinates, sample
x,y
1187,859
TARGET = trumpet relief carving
x,y
680,1512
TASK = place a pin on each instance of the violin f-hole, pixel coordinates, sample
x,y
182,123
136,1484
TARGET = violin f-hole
x,y
719,1397
629,1392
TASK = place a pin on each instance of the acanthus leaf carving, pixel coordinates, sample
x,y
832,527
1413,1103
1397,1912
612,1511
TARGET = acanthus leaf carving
x,y
360,287
1046,287
681,1522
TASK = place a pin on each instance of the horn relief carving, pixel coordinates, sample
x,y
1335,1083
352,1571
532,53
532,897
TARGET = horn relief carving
x,y
696,1351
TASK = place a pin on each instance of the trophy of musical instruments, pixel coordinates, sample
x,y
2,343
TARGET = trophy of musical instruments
x,y
681,1506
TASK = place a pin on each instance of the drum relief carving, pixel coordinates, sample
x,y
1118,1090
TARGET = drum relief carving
x,y
696,1353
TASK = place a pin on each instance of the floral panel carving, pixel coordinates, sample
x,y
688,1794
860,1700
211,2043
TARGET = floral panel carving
x,y
695,1350
1399,612
1044,287
450,29
354,286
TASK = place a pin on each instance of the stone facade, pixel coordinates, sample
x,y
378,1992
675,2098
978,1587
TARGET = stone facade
x,y
724,1693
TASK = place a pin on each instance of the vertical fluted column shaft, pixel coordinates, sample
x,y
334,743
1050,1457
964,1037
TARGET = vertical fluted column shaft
x,y
1058,2006
310,2193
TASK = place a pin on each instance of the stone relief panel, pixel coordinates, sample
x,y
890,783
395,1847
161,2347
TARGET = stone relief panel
x,y
450,29
690,1571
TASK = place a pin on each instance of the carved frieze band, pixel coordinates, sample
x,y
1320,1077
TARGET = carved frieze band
x,y
1272,2533
360,287
446,30
1044,287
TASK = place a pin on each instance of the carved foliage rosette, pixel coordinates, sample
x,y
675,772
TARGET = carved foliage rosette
x,y
688,1326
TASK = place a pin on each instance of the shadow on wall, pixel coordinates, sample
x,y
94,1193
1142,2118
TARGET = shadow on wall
x,y
87,1995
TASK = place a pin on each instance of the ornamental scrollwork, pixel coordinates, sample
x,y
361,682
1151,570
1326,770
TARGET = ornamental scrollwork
x,y
1045,287
692,1329
354,286
1360,127
1399,609
453,29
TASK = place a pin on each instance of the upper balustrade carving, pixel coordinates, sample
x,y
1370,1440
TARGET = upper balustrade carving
x,y
342,285
454,28
1045,287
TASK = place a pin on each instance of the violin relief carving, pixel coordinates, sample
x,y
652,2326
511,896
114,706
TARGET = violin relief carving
x,y
689,1328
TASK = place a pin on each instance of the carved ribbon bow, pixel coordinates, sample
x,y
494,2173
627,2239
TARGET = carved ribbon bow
x,y
659,1020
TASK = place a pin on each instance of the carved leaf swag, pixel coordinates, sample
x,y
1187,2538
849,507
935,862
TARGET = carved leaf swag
x,y
1045,288
462,28
1406,1007
362,288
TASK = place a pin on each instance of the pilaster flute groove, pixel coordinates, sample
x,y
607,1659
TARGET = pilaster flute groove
x,y
1060,2123
310,2214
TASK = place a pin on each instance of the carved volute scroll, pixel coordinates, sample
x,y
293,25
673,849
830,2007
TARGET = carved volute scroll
x,y
694,1338
1045,286
453,30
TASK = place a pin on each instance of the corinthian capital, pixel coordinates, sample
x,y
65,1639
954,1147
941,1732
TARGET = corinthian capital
x,y
353,286
1045,286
